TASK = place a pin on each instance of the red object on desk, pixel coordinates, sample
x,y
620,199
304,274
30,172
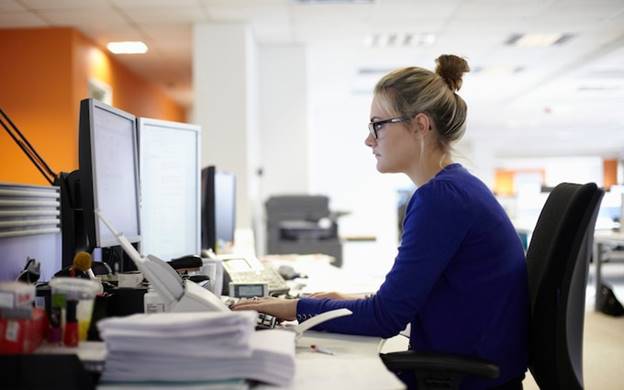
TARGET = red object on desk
x,y
22,335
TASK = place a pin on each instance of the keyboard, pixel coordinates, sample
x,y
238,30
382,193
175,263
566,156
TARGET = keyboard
x,y
264,321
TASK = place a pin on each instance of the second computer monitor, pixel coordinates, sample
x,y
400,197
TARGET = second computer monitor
x,y
169,155
218,209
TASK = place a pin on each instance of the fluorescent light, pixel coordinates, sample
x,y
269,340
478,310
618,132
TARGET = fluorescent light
x,y
392,40
537,40
127,47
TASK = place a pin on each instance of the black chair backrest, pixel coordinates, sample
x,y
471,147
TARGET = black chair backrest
x,y
558,260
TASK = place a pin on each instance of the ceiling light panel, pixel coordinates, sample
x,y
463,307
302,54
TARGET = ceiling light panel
x,y
399,40
534,40
127,47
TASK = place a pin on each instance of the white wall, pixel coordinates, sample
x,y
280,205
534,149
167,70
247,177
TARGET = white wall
x,y
283,119
342,166
224,80
283,127
573,169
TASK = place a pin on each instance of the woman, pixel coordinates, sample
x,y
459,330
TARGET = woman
x,y
460,276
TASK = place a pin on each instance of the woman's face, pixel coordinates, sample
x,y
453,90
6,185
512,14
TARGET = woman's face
x,y
395,146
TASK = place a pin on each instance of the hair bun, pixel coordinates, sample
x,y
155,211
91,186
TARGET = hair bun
x,y
451,68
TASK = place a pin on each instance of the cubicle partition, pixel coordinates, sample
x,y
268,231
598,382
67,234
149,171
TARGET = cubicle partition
x,y
29,227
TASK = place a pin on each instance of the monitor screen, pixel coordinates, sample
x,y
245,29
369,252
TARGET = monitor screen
x,y
169,156
108,172
218,209
225,210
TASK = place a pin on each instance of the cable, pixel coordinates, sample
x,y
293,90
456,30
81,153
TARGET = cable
x,y
27,148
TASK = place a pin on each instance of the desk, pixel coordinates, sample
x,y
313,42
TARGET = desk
x,y
355,363
322,276
602,240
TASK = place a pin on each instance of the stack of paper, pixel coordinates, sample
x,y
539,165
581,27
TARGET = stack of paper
x,y
185,347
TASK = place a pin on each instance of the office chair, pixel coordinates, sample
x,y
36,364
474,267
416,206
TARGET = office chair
x,y
557,261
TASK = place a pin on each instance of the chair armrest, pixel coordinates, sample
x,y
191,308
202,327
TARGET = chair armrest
x,y
436,362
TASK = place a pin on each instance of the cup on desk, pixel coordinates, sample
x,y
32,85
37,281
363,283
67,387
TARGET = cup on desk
x,y
79,295
213,268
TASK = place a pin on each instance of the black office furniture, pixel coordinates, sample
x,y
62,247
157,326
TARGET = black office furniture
x,y
557,261
302,224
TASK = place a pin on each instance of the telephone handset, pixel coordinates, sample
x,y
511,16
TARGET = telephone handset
x,y
181,295
251,270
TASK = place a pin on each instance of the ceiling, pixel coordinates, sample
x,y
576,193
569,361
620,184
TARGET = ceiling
x,y
570,90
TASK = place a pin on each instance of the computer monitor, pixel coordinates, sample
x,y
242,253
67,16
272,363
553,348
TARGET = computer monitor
x,y
169,162
109,170
218,209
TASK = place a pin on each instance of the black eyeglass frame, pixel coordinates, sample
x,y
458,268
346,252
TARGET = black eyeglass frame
x,y
374,127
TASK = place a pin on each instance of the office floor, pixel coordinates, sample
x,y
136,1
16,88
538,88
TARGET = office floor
x,y
603,343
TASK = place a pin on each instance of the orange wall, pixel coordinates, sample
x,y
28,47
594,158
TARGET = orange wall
x,y
35,81
504,180
130,92
610,172
42,83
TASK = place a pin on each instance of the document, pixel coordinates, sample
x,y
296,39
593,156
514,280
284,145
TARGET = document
x,y
195,347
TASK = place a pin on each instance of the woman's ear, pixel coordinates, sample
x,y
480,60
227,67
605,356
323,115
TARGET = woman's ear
x,y
421,123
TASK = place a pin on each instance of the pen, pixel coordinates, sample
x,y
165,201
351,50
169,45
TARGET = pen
x,y
318,349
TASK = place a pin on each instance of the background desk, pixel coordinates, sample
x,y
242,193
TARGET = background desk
x,y
603,240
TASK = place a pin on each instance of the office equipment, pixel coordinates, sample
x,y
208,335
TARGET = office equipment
x,y
302,224
251,270
248,289
557,260
319,319
218,212
109,169
169,161
181,296
186,262
265,321
29,228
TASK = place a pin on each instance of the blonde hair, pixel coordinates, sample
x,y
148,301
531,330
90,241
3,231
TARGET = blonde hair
x,y
414,90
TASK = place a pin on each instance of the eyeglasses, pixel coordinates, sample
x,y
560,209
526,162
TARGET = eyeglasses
x,y
375,126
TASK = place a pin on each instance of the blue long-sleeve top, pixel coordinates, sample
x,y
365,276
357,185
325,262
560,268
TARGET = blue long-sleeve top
x,y
459,279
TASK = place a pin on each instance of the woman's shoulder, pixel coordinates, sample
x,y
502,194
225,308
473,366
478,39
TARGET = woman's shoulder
x,y
450,182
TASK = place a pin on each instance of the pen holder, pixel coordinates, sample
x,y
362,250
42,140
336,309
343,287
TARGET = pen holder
x,y
77,295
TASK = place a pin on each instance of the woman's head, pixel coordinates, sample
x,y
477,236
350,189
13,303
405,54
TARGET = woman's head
x,y
425,102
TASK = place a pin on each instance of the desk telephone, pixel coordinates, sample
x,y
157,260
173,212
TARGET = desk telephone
x,y
186,296
251,270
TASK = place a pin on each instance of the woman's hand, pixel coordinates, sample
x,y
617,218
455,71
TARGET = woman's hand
x,y
335,295
283,309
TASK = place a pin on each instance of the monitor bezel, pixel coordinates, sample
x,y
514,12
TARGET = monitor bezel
x,y
89,185
142,123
